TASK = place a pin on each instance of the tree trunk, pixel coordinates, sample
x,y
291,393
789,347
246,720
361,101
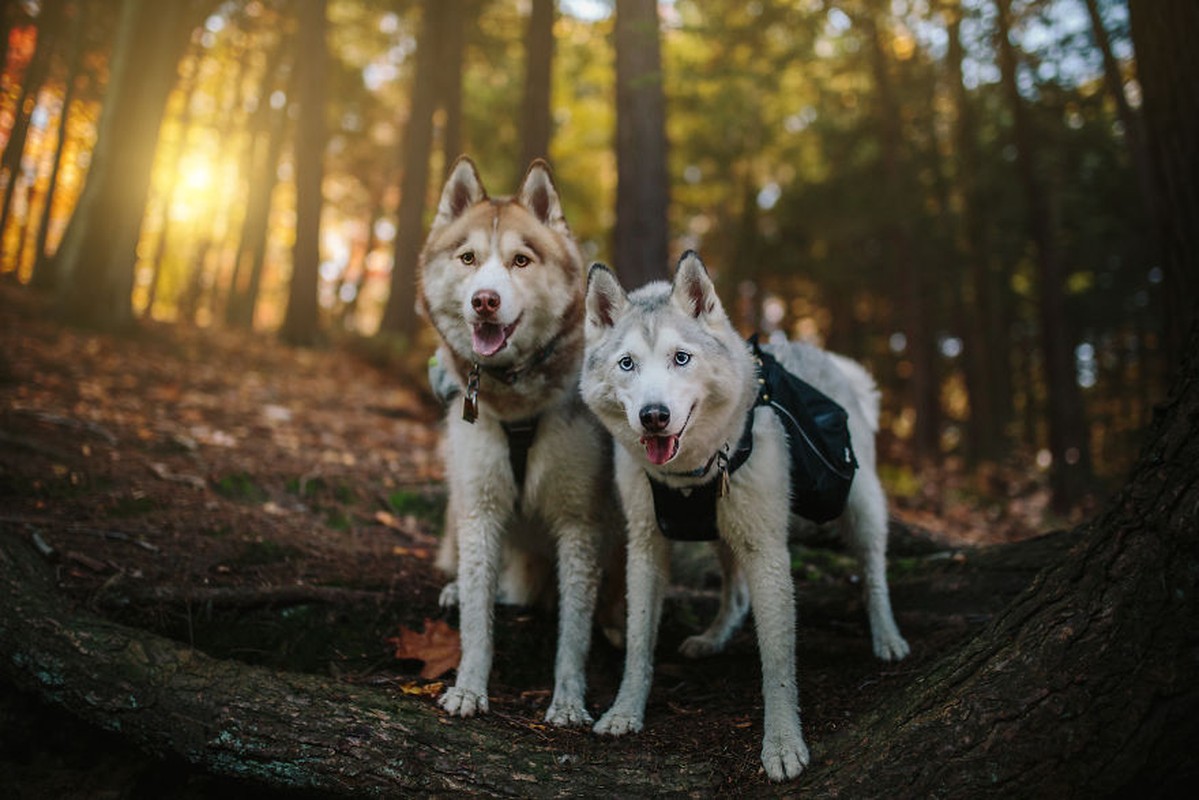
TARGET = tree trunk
x,y
96,258
640,249
301,323
539,58
1068,442
48,33
289,730
899,258
400,314
42,277
168,195
1163,32
268,130
452,53
984,347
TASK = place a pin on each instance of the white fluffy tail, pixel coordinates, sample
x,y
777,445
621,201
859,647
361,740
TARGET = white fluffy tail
x,y
864,388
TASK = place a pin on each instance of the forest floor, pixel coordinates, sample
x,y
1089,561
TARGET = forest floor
x,y
282,507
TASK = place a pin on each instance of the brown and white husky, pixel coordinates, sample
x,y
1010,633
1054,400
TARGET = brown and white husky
x,y
528,466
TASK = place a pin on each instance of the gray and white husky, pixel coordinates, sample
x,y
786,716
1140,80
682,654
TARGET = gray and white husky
x,y
528,469
670,378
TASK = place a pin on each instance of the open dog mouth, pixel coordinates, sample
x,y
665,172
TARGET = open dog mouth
x,y
661,448
488,338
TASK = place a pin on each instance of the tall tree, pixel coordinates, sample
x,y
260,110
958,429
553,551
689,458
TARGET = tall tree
x,y
452,44
400,314
94,263
301,325
79,18
539,58
1160,32
268,129
984,365
640,248
49,23
900,257
1068,443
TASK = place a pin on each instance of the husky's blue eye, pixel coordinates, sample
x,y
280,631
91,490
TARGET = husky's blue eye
x,y
625,363
682,358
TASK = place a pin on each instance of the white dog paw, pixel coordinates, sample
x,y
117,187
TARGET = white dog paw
x,y
568,714
463,702
891,647
784,757
699,646
449,595
618,723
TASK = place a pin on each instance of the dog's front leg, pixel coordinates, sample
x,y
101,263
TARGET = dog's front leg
x,y
772,594
478,562
578,580
648,571
484,497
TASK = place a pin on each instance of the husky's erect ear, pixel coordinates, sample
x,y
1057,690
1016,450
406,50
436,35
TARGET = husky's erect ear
x,y
462,190
606,299
692,289
538,194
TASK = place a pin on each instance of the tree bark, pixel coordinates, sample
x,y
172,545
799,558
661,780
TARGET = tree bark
x,y
1087,685
301,323
640,248
288,730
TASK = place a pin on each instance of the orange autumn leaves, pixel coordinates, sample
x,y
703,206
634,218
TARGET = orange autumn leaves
x,y
437,646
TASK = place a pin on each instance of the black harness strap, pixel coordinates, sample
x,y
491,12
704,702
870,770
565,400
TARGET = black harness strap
x,y
520,439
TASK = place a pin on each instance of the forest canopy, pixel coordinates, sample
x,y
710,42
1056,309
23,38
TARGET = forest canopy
x,y
953,191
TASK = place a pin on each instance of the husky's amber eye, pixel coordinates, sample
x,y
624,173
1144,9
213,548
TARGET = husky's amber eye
x,y
467,258
625,363
520,260
682,358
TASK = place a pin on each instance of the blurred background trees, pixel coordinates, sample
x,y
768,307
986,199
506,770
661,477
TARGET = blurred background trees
x,y
957,192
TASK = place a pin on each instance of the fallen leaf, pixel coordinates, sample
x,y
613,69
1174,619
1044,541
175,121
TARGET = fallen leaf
x,y
422,689
438,646
415,552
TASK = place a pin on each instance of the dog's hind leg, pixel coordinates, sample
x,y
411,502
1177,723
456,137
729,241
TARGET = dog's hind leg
x,y
447,557
864,525
734,605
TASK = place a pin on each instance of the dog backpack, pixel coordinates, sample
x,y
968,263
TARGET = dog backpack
x,y
821,456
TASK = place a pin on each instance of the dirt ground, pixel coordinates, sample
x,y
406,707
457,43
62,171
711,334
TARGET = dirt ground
x,y
282,507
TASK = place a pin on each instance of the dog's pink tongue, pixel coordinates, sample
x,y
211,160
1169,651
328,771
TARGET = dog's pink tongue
x,y
487,338
660,449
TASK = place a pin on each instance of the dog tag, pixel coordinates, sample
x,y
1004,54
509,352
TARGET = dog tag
x,y
722,466
470,400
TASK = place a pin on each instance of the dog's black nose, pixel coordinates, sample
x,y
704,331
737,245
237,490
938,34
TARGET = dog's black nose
x,y
485,302
655,418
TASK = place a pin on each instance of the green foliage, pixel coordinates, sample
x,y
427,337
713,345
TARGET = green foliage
x,y
781,172
240,486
